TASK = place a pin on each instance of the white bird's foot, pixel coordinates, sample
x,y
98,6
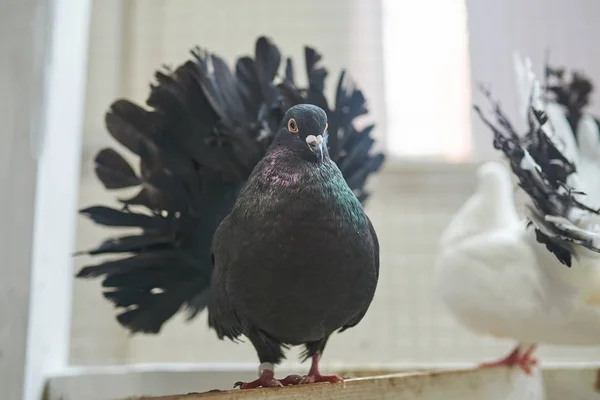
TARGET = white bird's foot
x,y
516,359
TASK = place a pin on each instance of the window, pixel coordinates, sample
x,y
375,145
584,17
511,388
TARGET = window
x,y
427,83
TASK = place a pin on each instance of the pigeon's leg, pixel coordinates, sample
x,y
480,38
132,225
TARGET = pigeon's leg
x,y
516,358
269,354
314,376
527,360
266,378
510,360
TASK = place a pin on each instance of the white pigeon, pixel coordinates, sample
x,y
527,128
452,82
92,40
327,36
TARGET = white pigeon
x,y
495,272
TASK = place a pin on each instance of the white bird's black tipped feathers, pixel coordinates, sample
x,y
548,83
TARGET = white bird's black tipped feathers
x,y
542,172
206,129
573,94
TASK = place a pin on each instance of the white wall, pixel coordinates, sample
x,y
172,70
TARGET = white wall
x,y
42,76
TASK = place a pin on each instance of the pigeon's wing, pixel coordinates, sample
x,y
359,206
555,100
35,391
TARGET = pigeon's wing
x,y
222,316
496,284
359,316
375,246
204,132
490,281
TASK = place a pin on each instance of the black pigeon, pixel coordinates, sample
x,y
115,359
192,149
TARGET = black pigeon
x,y
207,129
297,258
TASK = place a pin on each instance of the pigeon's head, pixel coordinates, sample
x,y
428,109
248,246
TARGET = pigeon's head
x,y
494,179
304,130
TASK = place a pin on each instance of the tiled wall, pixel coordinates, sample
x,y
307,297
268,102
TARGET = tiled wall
x,y
410,207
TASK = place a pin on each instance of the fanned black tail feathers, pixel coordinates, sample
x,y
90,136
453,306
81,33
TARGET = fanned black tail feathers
x,y
542,172
206,129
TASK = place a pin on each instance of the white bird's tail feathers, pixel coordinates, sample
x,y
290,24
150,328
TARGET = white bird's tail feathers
x,y
544,162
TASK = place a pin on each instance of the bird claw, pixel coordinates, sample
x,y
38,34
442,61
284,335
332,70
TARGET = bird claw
x,y
525,363
515,359
291,380
267,379
320,378
258,383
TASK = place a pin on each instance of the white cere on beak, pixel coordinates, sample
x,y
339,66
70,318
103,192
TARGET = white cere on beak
x,y
311,140
315,143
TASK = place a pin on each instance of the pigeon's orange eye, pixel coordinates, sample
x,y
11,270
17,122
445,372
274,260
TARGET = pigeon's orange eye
x,y
292,125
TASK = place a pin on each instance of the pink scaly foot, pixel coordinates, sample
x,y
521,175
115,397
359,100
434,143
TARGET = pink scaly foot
x,y
291,380
526,361
515,358
509,360
314,376
266,378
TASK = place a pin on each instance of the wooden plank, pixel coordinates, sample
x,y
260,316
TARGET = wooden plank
x,y
560,381
501,384
133,381
575,382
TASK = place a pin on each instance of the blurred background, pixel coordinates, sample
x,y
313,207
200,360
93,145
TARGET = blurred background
x,y
418,64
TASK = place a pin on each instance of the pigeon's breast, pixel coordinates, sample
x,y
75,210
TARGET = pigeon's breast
x,y
311,268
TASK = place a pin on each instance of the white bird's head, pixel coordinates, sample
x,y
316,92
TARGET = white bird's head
x,y
493,178
490,208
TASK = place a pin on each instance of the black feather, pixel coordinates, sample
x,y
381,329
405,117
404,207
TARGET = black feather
x,y
316,79
268,59
130,125
113,171
135,243
289,72
111,217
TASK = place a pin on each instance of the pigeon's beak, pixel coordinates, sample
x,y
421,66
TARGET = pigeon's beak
x,y
315,144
